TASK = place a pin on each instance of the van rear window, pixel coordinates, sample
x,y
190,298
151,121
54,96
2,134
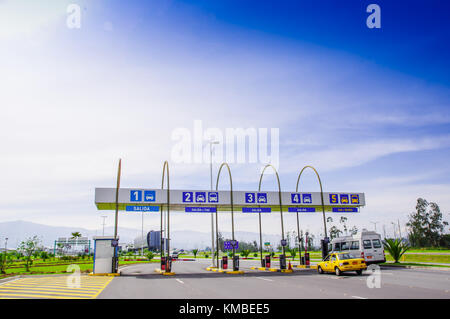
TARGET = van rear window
x,y
344,246
355,245
367,244
337,247
376,243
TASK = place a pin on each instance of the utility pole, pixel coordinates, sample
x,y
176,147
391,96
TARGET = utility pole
x,y
399,230
384,231
104,217
395,233
211,142
375,223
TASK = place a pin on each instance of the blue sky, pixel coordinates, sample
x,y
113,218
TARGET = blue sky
x,y
369,108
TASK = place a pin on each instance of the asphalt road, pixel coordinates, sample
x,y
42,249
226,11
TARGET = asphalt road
x,y
192,281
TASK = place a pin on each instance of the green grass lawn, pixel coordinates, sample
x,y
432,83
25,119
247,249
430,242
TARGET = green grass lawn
x,y
58,267
413,264
428,250
411,258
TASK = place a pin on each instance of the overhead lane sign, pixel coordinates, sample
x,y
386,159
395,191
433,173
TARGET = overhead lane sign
x,y
141,208
181,199
200,209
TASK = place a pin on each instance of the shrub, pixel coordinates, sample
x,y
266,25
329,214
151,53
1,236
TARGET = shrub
x,y
150,255
396,248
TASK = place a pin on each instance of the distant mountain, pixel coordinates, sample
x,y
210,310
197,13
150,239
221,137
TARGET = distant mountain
x,y
17,231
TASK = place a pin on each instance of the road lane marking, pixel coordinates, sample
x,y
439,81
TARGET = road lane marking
x,y
264,279
181,282
55,287
358,297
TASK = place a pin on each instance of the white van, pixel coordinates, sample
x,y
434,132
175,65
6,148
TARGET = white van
x,y
366,244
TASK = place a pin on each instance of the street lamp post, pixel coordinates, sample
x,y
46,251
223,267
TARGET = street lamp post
x,y
395,233
104,217
375,224
211,142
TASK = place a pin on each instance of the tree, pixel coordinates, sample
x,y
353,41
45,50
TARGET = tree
x,y
76,235
150,255
44,255
425,225
396,248
293,252
245,253
334,232
28,247
195,251
311,241
343,221
353,230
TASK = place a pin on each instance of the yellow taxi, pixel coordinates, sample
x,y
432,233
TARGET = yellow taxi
x,y
340,262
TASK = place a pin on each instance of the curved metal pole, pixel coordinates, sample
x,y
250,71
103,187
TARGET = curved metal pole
x,y
232,210
117,198
281,208
166,167
321,194
116,218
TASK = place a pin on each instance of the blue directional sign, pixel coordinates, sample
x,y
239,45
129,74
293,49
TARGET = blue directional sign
x,y
307,198
345,210
256,209
140,208
200,197
354,198
334,199
262,198
301,210
344,199
213,197
149,196
295,198
228,245
188,197
200,209
250,197
135,196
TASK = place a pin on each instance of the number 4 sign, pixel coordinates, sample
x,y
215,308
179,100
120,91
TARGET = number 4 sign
x,y
295,198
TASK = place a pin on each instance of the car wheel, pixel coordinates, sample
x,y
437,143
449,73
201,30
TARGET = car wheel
x,y
359,272
320,270
337,271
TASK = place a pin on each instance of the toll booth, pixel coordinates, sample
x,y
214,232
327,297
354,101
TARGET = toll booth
x,y
307,259
267,261
105,260
235,263
169,264
324,244
282,261
224,262
163,263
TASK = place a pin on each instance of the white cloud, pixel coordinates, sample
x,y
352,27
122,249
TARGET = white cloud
x,y
353,154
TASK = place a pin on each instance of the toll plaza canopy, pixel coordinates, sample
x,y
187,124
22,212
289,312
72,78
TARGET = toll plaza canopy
x,y
206,201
